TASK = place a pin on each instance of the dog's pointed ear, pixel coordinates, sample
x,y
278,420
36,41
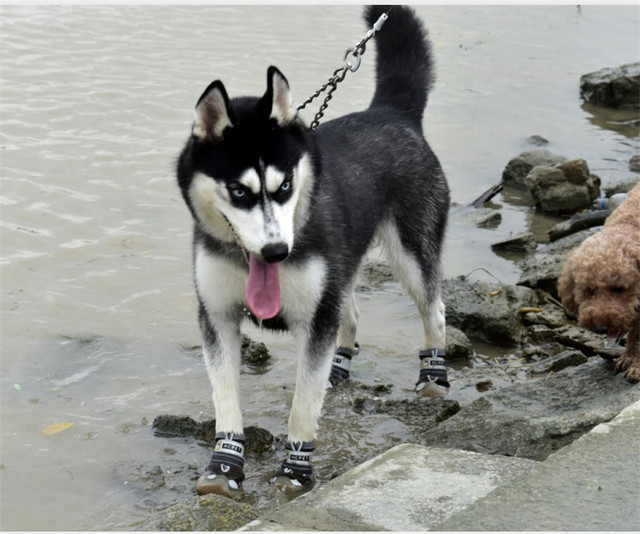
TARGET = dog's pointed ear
x,y
213,113
278,95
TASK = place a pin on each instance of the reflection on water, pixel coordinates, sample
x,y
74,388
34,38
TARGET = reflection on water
x,y
97,298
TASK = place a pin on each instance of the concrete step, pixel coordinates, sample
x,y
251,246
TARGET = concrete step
x,y
408,488
591,484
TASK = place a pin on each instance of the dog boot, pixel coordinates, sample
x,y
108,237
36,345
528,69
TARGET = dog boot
x,y
341,366
225,474
296,472
433,374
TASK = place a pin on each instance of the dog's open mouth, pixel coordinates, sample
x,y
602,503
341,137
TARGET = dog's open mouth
x,y
613,337
263,289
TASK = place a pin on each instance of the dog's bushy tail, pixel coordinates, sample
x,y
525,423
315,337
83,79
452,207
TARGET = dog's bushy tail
x,y
404,69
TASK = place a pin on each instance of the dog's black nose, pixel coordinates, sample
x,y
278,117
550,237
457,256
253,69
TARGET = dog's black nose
x,y
601,329
275,252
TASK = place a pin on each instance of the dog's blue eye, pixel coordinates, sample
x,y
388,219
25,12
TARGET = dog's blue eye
x,y
286,185
238,193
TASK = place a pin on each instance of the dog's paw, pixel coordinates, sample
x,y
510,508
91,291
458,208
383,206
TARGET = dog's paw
x,y
630,365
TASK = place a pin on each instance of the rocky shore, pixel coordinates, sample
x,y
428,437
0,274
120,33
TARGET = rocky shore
x,y
560,386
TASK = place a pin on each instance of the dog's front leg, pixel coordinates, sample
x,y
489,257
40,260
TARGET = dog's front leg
x,y
314,366
221,347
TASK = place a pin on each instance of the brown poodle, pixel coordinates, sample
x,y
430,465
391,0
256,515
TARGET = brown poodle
x,y
600,283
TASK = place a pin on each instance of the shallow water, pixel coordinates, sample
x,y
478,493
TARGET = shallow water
x,y
98,311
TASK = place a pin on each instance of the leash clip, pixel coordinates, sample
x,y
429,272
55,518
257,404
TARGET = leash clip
x,y
355,52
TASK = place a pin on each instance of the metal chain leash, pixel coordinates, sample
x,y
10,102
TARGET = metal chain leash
x,y
339,74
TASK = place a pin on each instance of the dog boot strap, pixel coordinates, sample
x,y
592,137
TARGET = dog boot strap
x,y
297,464
228,456
432,368
341,366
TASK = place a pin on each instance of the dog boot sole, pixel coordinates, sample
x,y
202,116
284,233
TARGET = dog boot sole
x,y
218,484
291,486
431,390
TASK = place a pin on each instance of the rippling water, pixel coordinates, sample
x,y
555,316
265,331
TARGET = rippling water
x,y
98,312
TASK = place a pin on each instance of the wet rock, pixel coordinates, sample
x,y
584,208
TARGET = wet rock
x,y
517,169
564,188
458,346
634,163
586,341
487,310
537,140
613,87
624,186
567,358
523,242
258,439
254,353
414,412
550,316
373,274
207,513
174,426
532,419
482,217
542,269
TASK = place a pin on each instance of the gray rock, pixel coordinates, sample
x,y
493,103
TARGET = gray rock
x,y
373,274
517,169
482,217
567,358
458,346
535,418
550,316
489,311
254,353
542,269
523,242
590,485
563,189
537,140
613,87
206,513
587,342
634,163
258,439
624,186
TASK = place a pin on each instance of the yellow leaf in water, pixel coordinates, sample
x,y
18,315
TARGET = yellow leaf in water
x,y
56,428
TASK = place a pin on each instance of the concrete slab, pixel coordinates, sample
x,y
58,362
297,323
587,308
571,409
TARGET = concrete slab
x,y
408,488
591,484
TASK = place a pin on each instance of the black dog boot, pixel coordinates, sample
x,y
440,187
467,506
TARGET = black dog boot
x,y
296,472
340,367
433,374
225,474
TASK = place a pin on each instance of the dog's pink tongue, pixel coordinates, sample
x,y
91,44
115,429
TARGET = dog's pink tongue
x,y
263,289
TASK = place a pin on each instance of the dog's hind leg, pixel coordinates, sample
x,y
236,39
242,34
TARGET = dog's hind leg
x,y
416,263
347,347
221,348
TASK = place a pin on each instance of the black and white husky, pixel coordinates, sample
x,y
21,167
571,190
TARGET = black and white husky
x,y
283,216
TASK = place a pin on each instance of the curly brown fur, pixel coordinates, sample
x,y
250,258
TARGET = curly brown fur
x,y
600,282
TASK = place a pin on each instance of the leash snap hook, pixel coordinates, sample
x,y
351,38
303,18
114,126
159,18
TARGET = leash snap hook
x,y
355,52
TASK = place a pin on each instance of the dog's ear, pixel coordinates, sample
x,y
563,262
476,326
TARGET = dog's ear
x,y
566,288
278,98
213,113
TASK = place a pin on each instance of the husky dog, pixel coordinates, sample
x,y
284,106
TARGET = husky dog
x,y
283,216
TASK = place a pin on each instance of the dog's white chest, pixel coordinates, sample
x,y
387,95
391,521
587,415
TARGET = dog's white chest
x,y
222,285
